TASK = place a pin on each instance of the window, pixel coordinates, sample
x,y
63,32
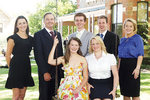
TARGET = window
x,y
142,20
1,27
142,12
117,16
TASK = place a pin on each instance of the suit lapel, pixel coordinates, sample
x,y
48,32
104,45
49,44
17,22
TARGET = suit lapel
x,y
56,33
75,34
47,35
106,36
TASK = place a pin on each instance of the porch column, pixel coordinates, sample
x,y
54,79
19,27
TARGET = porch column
x,y
68,30
92,23
89,23
60,24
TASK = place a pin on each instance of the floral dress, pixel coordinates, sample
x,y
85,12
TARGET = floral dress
x,y
72,79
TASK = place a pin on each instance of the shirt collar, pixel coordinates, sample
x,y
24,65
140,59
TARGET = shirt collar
x,y
81,32
104,33
103,54
48,30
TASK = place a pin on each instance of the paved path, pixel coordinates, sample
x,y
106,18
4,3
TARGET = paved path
x,y
2,60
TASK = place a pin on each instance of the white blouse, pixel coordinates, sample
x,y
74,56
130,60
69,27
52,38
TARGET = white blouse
x,y
100,68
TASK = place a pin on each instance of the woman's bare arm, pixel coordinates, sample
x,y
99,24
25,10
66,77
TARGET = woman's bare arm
x,y
51,59
10,46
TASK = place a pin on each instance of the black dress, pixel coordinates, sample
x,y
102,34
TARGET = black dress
x,y
20,67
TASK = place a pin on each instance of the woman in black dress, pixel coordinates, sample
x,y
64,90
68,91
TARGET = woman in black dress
x,y
19,44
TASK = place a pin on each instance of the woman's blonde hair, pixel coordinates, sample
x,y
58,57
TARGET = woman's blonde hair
x,y
100,41
133,22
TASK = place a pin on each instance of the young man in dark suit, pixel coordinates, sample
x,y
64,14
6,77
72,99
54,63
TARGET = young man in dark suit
x,y
43,44
111,40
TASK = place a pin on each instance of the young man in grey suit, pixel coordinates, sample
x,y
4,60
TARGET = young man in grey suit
x,y
81,33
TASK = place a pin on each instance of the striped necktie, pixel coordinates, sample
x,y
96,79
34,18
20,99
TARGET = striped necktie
x,y
52,34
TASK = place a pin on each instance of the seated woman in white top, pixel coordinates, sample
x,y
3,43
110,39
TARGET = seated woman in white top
x,y
100,64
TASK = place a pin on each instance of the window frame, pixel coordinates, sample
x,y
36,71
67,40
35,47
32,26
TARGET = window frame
x,y
138,12
118,23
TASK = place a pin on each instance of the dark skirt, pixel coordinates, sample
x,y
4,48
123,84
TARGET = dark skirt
x,y
128,85
102,88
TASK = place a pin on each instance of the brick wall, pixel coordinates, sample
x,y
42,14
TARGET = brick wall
x,y
129,9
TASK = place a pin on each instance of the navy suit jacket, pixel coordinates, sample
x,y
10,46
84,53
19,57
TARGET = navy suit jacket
x,y
111,41
43,43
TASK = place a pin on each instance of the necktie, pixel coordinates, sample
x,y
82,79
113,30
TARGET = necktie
x,y
78,35
52,34
101,35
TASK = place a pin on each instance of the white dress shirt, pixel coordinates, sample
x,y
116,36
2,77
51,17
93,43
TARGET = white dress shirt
x,y
49,31
79,34
100,68
104,33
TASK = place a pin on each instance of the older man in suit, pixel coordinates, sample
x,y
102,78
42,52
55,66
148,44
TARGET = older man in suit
x,y
111,40
81,33
43,44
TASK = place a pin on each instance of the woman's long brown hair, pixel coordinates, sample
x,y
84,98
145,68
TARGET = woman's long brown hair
x,y
67,53
16,29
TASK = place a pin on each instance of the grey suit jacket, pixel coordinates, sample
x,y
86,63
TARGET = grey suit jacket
x,y
85,40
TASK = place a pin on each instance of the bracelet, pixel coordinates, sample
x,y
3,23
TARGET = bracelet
x,y
115,87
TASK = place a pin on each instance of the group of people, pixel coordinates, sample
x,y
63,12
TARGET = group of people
x,y
88,68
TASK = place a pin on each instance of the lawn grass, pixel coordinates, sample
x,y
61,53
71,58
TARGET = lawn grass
x,y
145,82
6,94
32,92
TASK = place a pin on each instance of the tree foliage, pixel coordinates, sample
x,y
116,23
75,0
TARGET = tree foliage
x,y
64,7
142,29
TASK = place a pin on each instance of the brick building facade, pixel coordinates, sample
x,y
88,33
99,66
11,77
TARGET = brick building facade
x,y
136,9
